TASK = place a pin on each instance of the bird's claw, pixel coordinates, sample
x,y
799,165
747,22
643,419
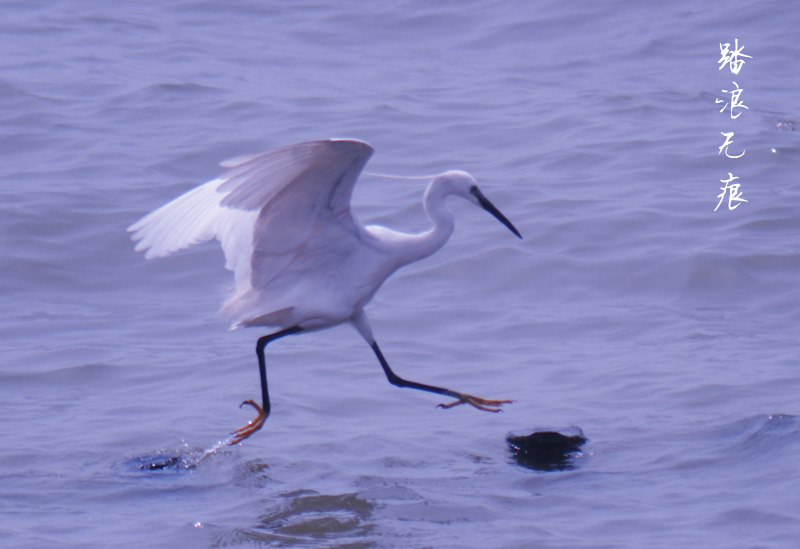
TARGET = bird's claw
x,y
243,432
484,404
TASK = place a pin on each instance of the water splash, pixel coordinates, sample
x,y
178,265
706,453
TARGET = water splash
x,y
174,461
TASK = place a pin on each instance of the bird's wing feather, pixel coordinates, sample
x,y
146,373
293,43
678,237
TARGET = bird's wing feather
x,y
268,201
190,219
314,169
296,215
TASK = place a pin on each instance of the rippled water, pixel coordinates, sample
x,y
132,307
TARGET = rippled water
x,y
632,310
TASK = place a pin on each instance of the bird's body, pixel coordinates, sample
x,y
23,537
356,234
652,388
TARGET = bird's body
x,y
301,261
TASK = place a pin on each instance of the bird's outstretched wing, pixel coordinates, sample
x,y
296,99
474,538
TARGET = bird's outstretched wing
x,y
269,202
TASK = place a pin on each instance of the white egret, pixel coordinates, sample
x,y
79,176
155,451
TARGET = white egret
x,y
300,260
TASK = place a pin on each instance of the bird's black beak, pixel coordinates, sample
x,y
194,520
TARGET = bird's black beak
x,y
489,207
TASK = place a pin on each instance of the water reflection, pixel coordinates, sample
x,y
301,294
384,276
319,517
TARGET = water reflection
x,y
307,518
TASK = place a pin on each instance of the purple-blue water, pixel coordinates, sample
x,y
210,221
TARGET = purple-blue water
x,y
666,330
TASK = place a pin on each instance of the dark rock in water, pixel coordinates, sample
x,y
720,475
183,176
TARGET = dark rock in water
x,y
546,450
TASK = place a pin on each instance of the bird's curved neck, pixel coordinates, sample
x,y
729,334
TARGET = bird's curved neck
x,y
431,241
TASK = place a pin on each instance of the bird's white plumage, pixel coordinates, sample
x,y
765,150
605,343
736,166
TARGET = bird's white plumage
x,y
267,211
284,222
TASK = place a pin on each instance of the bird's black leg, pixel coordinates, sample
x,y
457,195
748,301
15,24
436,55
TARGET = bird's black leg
x,y
263,411
461,398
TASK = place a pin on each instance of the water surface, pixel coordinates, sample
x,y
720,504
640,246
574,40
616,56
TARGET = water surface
x,y
664,330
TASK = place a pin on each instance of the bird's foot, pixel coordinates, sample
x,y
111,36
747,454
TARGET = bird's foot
x,y
477,402
243,432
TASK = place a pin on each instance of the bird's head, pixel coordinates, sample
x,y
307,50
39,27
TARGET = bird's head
x,y
462,184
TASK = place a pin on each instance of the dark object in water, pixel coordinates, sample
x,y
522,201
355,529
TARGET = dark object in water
x,y
158,465
162,462
546,450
